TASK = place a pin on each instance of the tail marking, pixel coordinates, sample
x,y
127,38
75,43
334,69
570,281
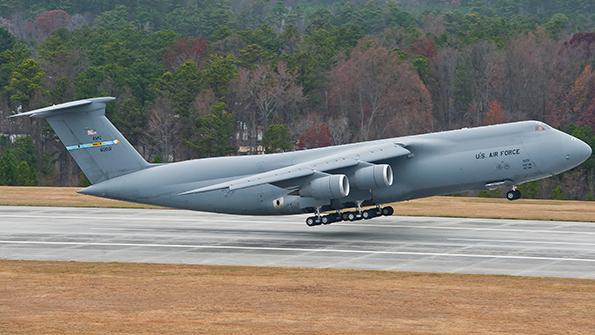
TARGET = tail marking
x,y
93,145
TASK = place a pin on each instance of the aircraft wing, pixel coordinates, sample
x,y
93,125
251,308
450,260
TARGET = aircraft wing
x,y
344,159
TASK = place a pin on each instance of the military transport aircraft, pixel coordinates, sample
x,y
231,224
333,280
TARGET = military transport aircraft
x,y
350,181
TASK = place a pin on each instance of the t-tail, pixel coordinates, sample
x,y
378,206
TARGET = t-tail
x,y
96,145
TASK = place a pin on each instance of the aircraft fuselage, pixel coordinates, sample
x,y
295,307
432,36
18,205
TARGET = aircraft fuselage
x,y
440,163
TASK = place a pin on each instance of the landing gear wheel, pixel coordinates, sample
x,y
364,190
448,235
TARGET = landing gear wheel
x,y
513,195
366,215
326,220
351,216
370,214
311,221
387,211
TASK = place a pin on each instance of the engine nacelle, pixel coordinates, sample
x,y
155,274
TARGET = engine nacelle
x,y
329,187
374,176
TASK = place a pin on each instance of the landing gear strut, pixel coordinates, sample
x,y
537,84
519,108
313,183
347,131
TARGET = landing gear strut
x,y
513,194
357,215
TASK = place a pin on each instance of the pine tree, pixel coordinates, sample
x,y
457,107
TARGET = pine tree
x,y
7,168
25,175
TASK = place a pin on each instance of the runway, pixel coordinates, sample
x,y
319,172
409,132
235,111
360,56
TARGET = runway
x,y
481,246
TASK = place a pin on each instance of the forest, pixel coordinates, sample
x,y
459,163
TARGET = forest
x,y
206,78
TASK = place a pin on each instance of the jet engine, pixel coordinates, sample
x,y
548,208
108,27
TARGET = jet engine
x,y
328,187
373,176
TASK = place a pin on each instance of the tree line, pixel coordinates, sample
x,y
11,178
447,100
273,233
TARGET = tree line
x,y
222,77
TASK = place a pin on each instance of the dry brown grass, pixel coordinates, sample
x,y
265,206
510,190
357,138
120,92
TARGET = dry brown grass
x,y
559,210
57,196
527,209
102,298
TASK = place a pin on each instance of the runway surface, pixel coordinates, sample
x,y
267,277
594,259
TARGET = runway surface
x,y
513,247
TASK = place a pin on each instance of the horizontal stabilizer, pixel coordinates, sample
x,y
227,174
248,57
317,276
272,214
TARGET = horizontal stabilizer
x,y
72,106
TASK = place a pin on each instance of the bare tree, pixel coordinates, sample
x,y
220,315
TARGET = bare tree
x,y
266,94
528,60
381,95
441,84
163,129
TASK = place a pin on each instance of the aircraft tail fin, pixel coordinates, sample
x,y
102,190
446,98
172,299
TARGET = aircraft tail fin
x,y
96,145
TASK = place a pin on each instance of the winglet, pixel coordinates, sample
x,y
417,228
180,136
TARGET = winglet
x,y
63,108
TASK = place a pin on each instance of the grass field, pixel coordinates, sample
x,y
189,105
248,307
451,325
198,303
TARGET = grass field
x,y
563,210
103,298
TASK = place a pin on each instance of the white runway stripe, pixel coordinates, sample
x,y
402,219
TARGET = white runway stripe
x,y
200,221
377,252
517,241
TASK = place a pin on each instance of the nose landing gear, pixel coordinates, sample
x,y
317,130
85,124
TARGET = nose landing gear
x,y
357,215
513,194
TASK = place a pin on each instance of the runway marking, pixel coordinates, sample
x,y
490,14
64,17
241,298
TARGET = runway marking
x,y
517,241
378,252
260,222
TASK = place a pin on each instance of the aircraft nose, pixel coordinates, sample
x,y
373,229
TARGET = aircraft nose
x,y
579,151
585,150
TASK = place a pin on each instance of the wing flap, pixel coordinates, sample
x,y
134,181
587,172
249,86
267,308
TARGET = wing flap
x,y
258,179
345,159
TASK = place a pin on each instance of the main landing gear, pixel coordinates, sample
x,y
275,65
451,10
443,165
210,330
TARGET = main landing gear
x,y
357,215
513,194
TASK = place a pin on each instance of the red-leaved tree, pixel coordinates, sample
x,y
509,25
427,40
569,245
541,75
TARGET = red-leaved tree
x,y
316,136
183,49
424,46
495,113
49,21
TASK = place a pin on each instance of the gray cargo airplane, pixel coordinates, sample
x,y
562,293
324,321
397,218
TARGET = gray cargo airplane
x,y
341,179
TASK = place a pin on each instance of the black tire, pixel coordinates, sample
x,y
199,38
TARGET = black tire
x,y
365,215
511,195
326,220
369,214
311,221
387,211
351,216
